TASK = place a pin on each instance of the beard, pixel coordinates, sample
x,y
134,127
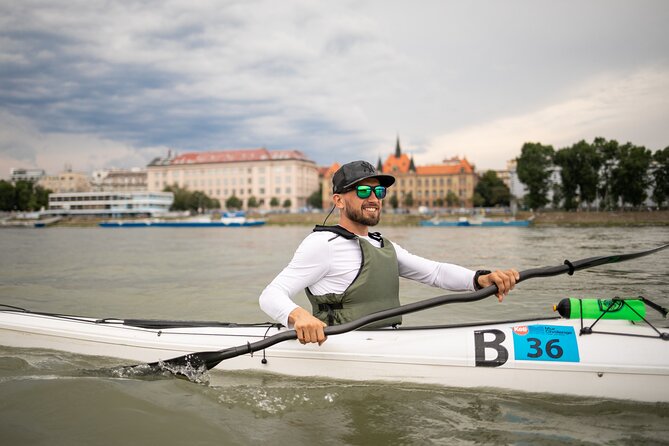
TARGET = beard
x,y
357,215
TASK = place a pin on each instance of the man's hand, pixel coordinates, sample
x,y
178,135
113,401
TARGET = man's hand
x,y
308,328
505,281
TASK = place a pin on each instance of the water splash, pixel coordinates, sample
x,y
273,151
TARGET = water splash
x,y
160,370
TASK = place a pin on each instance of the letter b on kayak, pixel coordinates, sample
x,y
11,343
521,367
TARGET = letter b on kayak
x,y
489,343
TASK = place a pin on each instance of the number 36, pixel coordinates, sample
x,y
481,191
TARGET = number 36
x,y
553,350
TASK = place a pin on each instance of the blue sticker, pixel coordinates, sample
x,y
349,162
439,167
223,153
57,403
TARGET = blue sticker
x,y
545,343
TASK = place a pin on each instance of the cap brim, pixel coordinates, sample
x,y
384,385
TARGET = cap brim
x,y
384,180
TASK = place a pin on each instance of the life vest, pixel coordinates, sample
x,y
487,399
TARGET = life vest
x,y
375,288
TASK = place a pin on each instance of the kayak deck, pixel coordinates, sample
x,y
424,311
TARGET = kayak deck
x,y
629,361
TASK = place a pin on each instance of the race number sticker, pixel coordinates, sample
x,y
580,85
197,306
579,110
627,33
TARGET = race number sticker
x,y
545,343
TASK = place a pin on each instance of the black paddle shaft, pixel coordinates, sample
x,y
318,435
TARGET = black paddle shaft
x,y
211,359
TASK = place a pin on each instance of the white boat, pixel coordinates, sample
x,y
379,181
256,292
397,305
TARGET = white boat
x,y
227,220
619,360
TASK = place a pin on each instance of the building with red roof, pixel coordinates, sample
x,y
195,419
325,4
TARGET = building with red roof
x,y
450,183
268,176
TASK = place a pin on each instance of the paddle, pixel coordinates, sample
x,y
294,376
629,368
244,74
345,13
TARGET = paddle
x,y
211,359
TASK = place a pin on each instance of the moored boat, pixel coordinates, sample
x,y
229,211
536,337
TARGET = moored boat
x,y
484,222
619,359
228,219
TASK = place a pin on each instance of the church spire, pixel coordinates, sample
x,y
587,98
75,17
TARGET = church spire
x,y
379,165
412,166
398,150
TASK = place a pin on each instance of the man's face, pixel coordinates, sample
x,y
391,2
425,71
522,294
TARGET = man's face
x,y
366,211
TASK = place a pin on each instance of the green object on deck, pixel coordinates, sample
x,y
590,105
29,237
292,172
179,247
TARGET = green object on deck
x,y
631,309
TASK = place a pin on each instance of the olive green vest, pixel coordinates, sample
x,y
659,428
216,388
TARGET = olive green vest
x,y
375,288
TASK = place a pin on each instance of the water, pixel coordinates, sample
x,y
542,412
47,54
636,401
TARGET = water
x,y
217,274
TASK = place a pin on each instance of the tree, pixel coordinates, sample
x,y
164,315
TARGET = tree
x,y
630,177
233,203
41,197
315,200
534,170
408,200
588,172
185,200
23,196
6,196
579,171
607,151
491,191
394,201
274,202
181,197
566,160
660,172
252,202
287,203
198,201
451,199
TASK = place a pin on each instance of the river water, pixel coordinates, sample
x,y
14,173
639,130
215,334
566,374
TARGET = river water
x,y
218,273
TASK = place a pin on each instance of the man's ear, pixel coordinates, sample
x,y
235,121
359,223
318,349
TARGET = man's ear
x,y
338,201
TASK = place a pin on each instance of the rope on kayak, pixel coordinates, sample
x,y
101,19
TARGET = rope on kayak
x,y
264,357
661,335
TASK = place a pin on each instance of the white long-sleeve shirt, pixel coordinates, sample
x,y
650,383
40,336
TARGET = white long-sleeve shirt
x,y
327,263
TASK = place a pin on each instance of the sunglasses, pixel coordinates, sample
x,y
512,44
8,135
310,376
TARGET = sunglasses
x,y
366,191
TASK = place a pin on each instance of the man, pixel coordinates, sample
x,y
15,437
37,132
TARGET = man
x,y
348,272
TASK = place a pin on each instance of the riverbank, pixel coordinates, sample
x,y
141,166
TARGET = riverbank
x,y
589,218
545,218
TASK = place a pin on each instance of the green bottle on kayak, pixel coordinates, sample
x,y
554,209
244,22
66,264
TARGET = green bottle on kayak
x,y
631,309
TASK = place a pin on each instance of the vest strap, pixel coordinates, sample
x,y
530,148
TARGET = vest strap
x,y
330,308
337,230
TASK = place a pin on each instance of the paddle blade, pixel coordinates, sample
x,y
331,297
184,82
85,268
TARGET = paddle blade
x,y
193,367
202,361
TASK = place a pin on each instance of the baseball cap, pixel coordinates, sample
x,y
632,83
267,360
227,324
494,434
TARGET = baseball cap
x,y
355,171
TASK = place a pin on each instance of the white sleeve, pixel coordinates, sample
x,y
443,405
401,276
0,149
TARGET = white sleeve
x,y
309,264
443,275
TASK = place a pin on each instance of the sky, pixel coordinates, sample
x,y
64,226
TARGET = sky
x,y
94,84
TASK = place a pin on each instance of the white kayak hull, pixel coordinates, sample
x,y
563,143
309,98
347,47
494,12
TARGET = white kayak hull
x,y
532,356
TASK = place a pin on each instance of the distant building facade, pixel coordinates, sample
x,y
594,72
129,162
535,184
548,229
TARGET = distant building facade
x,y
119,180
415,186
20,174
67,181
110,204
282,175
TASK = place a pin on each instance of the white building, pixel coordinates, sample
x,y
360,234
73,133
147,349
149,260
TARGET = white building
x,y
117,180
260,173
110,204
20,174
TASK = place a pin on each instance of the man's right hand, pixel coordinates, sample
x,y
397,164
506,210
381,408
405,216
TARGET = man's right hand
x,y
309,328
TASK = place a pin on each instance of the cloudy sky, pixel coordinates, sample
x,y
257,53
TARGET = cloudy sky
x,y
96,84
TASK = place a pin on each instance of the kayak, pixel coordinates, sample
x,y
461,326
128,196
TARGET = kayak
x,y
618,359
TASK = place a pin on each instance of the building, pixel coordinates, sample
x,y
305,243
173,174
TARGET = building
x,y
119,180
67,181
286,177
110,204
20,174
433,185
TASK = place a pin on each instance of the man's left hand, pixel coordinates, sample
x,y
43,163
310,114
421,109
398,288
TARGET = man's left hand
x,y
504,279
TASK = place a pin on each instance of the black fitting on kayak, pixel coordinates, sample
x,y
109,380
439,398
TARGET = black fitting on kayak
x,y
586,330
571,267
264,356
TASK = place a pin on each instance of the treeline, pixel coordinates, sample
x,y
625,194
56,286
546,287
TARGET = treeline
x,y
22,196
603,174
198,201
